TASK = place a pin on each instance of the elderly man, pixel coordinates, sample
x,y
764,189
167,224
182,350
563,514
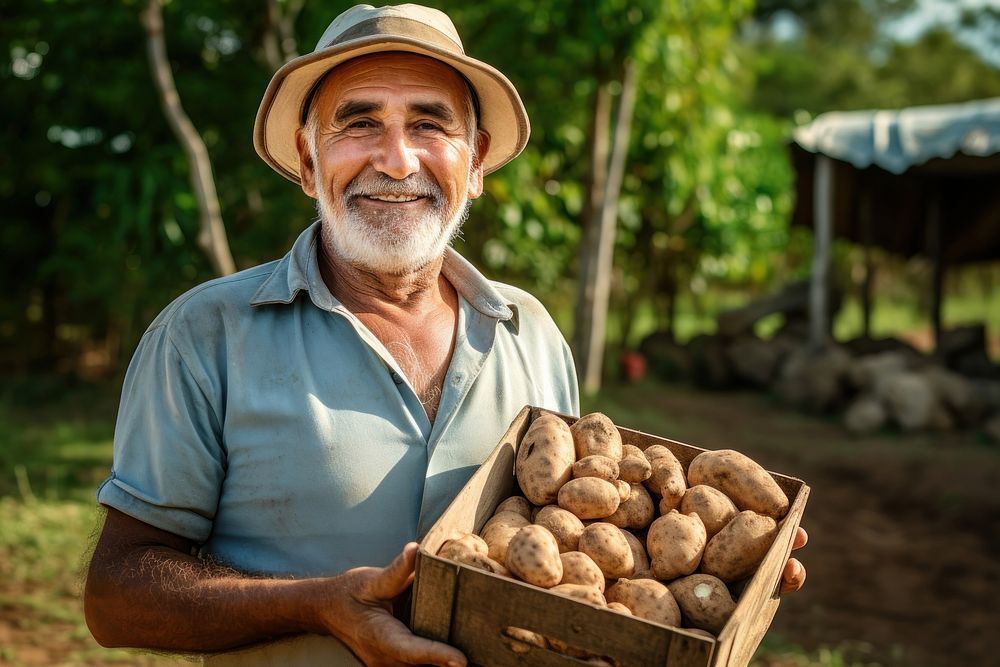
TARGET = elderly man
x,y
286,431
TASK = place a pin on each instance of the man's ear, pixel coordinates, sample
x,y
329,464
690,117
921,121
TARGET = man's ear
x,y
307,170
476,177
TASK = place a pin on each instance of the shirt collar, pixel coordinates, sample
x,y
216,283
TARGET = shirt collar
x,y
299,271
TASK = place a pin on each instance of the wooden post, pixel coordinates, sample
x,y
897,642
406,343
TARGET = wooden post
x,y
819,327
865,220
935,251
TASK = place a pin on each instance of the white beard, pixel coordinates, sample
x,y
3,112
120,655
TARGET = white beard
x,y
391,243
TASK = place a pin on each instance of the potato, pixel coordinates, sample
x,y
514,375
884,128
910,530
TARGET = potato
x,y
637,512
646,598
736,550
596,466
639,557
634,469
704,600
463,543
608,547
545,459
521,640
675,543
498,531
619,607
667,477
581,592
744,481
713,507
533,556
589,497
516,504
563,524
499,539
596,434
579,568
624,489
631,450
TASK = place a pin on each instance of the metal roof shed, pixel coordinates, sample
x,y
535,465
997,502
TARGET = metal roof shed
x,y
916,181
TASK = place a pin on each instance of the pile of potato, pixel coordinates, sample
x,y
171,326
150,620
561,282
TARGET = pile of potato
x,y
627,529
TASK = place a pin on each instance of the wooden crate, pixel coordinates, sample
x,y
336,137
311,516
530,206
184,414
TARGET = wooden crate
x,y
470,609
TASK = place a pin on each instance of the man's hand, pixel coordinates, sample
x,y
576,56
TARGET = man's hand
x,y
362,617
794,574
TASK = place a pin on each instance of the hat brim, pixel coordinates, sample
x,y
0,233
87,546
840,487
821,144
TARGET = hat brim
x,y
502,114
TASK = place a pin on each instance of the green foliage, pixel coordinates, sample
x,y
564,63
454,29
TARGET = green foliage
x,y
101,226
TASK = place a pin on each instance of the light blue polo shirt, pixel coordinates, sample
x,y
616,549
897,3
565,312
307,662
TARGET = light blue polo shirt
x,y
261,418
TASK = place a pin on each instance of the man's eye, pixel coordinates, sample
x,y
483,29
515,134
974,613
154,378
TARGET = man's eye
x,y
360,125
428,126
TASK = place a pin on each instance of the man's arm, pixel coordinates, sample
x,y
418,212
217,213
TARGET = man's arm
x,y
145,589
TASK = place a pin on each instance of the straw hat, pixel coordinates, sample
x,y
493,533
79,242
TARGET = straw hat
x,y
364,29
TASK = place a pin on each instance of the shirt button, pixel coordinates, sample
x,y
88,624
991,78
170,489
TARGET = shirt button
x,y
456,378
396,378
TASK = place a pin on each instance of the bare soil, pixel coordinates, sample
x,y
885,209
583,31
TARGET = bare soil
x,y
903,559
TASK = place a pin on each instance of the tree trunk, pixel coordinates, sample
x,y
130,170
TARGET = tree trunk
x,y
212,235
599,244
279,44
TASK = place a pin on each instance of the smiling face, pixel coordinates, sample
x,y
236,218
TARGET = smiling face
x,y
387,153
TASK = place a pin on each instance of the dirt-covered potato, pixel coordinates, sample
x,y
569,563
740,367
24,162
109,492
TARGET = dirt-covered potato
x,y
533,556
646,598
498,531
464,543
675,543
596,434
639,557
521,639
634,468
545,459
667,478
579,568
713,507
624,489
736,550
742,479
516,504
619,607
565,526
589,497
608,547
581,592
704,600
637,512
596,466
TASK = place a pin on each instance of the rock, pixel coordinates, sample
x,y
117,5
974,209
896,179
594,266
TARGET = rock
x,y
815,380
863,347
912,402
958,342
757,361
957,394
866,371
992,428
866,415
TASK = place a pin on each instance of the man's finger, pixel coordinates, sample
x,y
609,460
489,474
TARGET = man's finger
x,y
801,538
395,577
793,576
410,649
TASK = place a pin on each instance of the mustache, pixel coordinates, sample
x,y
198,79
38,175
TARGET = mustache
x,y
375,183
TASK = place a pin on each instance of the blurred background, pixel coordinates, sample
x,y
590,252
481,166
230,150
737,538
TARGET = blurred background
x,y
668,211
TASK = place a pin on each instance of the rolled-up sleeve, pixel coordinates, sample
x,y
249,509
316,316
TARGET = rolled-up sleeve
x,y
169,461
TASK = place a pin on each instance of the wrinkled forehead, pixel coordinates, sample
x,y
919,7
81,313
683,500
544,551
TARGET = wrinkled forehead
x,y
384,73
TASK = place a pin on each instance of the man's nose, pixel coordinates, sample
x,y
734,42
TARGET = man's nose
x,y
396,157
